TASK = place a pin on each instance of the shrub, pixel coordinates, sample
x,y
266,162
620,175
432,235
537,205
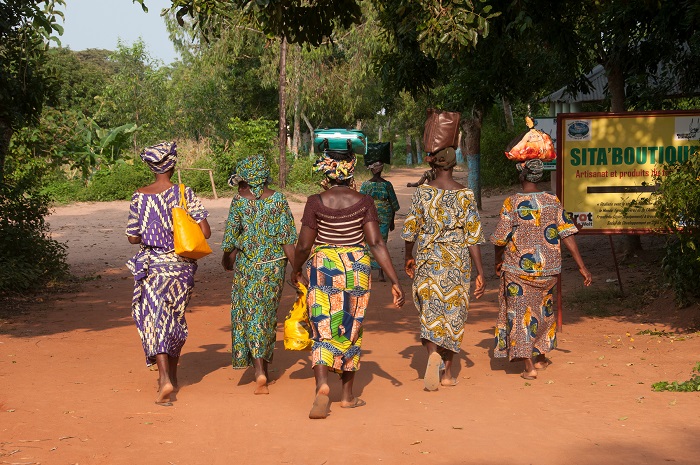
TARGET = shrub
x,y
29,258
118,182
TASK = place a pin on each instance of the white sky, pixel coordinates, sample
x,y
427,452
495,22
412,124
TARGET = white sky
x,y
99,23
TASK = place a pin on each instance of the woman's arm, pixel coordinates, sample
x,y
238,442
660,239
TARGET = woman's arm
x,y
134,239
499,250
475,252
228,259
307,237
289,253
381,254
570,244
206,230
409,261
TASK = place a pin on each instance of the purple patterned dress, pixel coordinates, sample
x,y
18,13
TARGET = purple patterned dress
x,y
163,280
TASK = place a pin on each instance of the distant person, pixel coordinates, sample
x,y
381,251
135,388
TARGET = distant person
x,y
445,224
163,280
427,176
335,228
528,240
258,241
386,202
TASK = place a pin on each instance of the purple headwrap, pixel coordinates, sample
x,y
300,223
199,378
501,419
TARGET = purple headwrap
x,y
160,158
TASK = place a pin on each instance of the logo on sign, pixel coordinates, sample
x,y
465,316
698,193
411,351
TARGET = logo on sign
x,y
581,219
578,130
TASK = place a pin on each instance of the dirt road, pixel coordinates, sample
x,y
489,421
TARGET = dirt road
x,y
74,388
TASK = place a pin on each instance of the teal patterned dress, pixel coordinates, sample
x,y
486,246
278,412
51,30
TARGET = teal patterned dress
x,y
387,205
257,229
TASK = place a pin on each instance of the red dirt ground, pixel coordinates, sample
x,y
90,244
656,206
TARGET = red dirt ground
x,y
74,388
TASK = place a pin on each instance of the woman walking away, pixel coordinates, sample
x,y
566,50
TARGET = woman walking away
x,y
528,260
163,280
445,224
258,240
386,202
337,224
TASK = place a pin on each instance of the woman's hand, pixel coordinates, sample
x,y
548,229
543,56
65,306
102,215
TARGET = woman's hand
x,y
228,259
587,277
499,265
479,286
397,292
298,277
410,267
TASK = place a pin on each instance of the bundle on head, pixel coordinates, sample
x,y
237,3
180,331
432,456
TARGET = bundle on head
x,y
532,144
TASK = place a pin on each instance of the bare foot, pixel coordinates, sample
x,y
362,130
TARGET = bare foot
x,y
529,374
542,362
261,385
355,402
319,410
164,394
448,382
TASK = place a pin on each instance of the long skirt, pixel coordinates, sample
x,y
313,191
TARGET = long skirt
x,y
527,324
255,296
339,289
162,289
441,294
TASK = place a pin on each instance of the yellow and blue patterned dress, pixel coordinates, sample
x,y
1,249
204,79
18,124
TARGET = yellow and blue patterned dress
x,y
257,229
443,224
530,228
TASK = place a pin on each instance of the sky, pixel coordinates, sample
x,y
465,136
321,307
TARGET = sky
x,y
100,23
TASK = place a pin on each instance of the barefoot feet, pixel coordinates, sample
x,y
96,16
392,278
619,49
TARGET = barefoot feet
x,y
164,392
319,409
261,385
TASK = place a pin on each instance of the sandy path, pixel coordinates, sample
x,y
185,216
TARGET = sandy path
x,y
74,389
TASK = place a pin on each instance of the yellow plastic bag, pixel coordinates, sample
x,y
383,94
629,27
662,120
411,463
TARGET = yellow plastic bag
x,y
296,333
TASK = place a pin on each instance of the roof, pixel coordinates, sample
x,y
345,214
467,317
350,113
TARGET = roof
x,y
597,92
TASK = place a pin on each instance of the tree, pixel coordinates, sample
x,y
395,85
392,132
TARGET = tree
x,y
25,28
296,22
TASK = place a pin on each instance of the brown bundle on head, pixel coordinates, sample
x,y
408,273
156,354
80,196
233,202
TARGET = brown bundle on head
x,y
530,145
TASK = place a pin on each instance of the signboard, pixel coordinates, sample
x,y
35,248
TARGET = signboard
x,y
548,125
607,160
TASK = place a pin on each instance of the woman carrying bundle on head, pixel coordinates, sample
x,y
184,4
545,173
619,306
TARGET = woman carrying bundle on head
x,y
331,259
163,280
445,224
527,240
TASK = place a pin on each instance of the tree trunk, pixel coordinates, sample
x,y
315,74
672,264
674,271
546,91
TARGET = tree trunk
x,y
616,87
5,136
508,113
472,150
409,155
311,132
631,243
283,114
296,139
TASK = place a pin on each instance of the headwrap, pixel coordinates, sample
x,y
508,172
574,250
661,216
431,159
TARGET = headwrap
x,y
336,170
531,170
253,170
160,158
445,158
376,167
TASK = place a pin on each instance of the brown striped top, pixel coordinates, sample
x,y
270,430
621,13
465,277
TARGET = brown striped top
x,y
342,226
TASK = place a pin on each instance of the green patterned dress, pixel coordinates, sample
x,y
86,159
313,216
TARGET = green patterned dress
x,y
257,229
387,205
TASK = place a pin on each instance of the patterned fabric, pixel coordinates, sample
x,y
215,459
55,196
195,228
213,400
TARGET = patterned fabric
x,y
339,289
160,158
255,171
340,170
343,226
163,280
531,170
526,325
443,224
257,229
530,228
387,205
